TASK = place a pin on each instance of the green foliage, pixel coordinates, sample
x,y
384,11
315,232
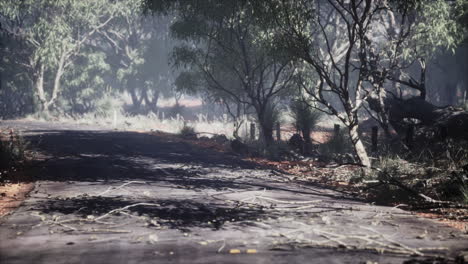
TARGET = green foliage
x,y
436,27
81,50
12,150
52,34
229,54
84,84
439,171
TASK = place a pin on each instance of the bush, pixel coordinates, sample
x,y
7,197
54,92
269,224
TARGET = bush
x,y
305,118
279,151
339,146
442,182
188,132
12,151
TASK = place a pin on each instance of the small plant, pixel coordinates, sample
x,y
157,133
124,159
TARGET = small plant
x,y
12,151
409,178
188,132
305,118
337,146
279,151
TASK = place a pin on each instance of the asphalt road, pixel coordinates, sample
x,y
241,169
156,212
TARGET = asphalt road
x,y
104,196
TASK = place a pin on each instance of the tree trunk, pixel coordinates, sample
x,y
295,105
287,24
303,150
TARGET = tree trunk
x,y
361,152
39,85
266,129
57,79
151,104
136,102
306,134
267,133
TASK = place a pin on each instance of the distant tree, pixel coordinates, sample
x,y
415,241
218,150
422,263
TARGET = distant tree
x,y
232,51
86,82
305,118
137,46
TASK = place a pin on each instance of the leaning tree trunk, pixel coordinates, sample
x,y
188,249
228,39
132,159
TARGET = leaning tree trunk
x,y
361,152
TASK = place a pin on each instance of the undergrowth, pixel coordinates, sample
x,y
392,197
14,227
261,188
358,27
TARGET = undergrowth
x,y
187,132
338,147
441,175
12,152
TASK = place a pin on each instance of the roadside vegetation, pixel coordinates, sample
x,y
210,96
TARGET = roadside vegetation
x,y
13,157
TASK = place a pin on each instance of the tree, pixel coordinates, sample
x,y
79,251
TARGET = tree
x,y
229,47
327,36
416,31
15,92
137,46
305,118
55,32
353,50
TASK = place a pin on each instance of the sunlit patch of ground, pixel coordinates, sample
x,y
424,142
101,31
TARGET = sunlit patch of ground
x,y
12,195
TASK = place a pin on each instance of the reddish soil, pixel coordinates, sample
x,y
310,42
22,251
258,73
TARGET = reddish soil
x,y
12,195
458,224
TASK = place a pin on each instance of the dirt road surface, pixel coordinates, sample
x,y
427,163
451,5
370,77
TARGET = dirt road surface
x,y
104,196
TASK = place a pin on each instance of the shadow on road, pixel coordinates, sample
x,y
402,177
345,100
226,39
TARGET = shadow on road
x,y
170,213
111,156
108,155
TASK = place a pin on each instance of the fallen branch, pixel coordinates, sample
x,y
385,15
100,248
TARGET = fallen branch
x,y
375,242
287,202
389,179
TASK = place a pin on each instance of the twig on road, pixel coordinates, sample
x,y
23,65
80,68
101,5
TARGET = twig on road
x,y
375,242
111,188
125,208
222,246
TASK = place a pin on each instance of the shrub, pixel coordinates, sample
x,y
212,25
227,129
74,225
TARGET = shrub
x,y
278,151
12,151
188,132
305,118
443,181
337,146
